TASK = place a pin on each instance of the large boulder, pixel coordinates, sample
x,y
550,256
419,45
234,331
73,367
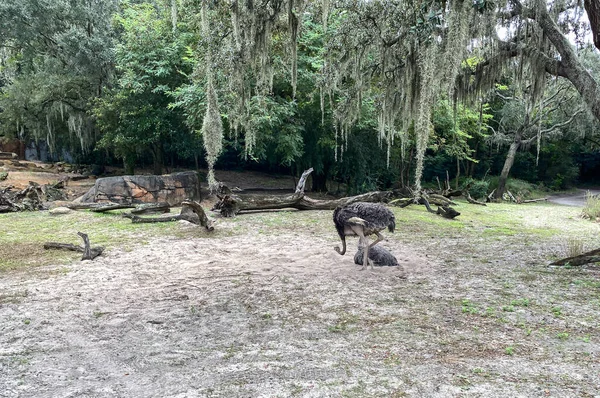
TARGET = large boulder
x,y
170,188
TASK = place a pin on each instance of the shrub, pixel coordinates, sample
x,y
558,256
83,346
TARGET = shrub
x,y
591,208
478,188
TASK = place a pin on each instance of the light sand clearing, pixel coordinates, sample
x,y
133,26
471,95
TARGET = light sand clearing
x,y
259,315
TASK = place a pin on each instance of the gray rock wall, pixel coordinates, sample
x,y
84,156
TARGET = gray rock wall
x,y
170,188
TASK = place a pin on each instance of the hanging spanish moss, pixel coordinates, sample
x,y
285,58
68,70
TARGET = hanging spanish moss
x,y
212,125
242,34
212,132
404,56
423,125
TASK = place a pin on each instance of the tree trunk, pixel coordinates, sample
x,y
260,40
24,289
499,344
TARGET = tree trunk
x,y
319,182
174,15
592,7
129,164
508,163
157,160
457,173
592,256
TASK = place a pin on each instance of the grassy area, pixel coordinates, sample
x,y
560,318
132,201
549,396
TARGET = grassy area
x,y
21,245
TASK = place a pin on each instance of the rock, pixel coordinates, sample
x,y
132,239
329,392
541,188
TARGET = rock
x,y
170,188
60,210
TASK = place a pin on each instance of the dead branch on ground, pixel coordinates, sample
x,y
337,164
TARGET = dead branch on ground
x,y
89,253
592,256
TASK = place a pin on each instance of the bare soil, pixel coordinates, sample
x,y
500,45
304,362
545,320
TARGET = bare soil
x,y
265,307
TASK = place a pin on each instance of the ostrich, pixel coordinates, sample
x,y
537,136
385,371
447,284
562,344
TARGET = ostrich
x,y
362,219
377,255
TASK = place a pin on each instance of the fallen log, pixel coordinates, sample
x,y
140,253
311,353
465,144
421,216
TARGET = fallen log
x,y
439,200
473,201
191,211
230,205
592,256
89,253
145,208
8,155
108,207
142,208
89,206
444,211
535,200
402,202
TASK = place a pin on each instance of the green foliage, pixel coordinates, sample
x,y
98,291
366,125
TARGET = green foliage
x,y
479,189
134,116
520,188
57,56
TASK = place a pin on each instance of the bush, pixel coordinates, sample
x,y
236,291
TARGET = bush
x,y
591,209
478,188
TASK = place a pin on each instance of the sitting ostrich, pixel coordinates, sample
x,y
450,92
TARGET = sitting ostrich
x,y
362,219
377,256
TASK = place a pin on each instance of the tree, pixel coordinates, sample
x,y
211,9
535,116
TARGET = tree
x,y
523,122
537,33
57,57
134,116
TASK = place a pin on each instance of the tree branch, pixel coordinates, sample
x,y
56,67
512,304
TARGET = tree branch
x,y
559,125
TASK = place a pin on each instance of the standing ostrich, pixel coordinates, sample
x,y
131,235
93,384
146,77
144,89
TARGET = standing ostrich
x,y
362,219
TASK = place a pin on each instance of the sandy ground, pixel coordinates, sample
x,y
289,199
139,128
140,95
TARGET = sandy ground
x,y
249,313
282,315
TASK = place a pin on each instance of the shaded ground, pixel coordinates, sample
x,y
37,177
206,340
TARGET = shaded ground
x,y
265,307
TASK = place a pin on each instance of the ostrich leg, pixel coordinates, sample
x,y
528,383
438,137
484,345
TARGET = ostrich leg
x,y
359,231
379,239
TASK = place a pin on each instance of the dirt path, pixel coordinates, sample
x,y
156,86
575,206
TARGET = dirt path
x,y
573,199
282,315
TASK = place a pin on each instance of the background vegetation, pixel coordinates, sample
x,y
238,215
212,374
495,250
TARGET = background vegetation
x,y
348,88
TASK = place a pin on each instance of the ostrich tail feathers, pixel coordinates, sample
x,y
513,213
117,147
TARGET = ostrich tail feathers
x,y
392,226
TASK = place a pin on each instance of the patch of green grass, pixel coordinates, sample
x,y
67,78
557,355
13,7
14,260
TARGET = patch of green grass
x,y
343,323
501,231
510,350
557,311
21,245
562,336
522,302
98,314
469,307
